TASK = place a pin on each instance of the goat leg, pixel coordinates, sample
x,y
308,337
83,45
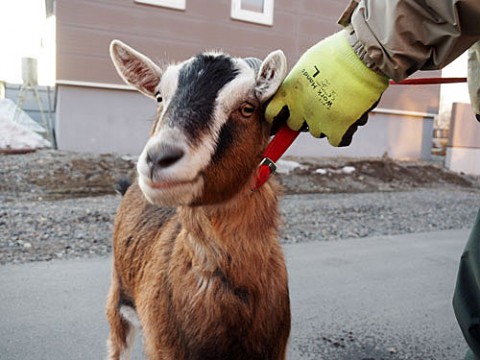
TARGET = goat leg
x,y
122,331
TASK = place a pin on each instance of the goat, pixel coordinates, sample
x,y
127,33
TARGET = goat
x,y
196,258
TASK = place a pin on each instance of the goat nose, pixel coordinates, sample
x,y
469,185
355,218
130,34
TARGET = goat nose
x,y
167,156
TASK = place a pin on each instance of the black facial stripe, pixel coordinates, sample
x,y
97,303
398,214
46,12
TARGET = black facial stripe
x,y
225,139
199,82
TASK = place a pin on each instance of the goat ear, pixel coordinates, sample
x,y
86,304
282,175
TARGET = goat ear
x,y
135,68
271,74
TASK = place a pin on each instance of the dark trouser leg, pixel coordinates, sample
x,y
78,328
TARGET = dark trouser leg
x,y
466,299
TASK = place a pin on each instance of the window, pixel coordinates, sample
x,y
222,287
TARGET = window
x,y
256,11
174,4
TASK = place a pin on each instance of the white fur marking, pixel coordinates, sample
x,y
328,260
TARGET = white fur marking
x,y
169,83
129,314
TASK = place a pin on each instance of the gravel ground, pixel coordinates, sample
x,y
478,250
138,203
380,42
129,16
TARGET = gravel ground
x,y
82,227
341,216
56,204
46,230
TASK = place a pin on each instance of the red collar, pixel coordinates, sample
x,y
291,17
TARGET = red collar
x,y
275,149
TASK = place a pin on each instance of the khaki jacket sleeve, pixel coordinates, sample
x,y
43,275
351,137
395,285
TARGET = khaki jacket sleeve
x,y
474,77
399,37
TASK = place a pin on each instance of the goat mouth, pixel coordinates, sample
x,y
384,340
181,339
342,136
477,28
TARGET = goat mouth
x,y
165,185
169,184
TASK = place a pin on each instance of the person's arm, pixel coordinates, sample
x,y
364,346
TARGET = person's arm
x,y
333,87
402,36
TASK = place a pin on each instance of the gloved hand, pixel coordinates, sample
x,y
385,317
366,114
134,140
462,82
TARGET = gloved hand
x,y
330,89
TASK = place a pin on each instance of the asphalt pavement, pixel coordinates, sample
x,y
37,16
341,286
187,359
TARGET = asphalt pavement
x,y
374,298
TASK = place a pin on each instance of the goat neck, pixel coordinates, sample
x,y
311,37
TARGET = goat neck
x,y
235,229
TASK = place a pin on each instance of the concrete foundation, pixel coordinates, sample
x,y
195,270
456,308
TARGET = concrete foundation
x,y
396,135
103,120
463,151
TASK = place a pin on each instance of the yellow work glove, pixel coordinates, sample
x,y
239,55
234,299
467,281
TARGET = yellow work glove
x,y
330,89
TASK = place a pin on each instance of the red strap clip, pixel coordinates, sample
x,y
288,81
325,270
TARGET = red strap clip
x,y
275,149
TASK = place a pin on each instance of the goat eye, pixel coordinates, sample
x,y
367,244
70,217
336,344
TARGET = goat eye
x,y
158,97
247,109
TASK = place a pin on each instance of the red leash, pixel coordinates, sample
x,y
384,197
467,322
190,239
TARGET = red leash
x,y
429,81
286,136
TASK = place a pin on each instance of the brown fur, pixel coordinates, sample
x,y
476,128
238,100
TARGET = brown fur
x,y
210,285
239,159
208,281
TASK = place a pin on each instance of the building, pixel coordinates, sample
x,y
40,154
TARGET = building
x,y
96,112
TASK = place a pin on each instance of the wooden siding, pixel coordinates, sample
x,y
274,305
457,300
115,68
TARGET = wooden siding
x,y
85,29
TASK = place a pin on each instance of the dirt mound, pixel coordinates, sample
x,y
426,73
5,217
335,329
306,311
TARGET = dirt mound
x,y
370,175
49,174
